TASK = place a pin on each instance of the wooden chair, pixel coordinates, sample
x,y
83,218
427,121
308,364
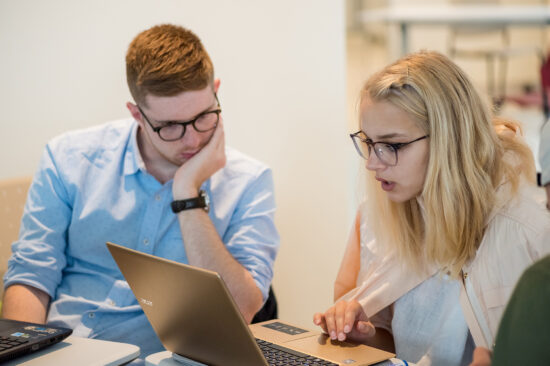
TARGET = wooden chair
x,y
13,194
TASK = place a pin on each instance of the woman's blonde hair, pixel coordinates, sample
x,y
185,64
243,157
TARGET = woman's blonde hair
x,y
466,163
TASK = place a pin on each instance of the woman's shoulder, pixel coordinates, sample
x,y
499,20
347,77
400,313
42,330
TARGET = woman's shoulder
x,y
517,232
524,211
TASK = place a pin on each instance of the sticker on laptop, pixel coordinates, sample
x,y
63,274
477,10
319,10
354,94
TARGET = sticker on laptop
x,y
21,335
41,329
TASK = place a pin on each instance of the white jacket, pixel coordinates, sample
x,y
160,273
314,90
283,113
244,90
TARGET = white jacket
x,y
517,234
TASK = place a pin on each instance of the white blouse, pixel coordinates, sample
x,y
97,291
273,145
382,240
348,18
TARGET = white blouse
x,y
428,325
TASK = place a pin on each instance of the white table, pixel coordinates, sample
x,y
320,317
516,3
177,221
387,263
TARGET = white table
x,y
79,351
504,15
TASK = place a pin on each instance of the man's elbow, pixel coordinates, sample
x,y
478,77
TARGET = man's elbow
x,y
252,306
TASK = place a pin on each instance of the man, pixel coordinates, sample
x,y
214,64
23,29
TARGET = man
x,y
143,183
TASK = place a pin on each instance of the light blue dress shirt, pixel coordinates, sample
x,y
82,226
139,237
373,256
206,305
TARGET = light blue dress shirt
x,y
92,187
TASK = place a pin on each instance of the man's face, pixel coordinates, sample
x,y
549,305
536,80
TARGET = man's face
x,y
161,111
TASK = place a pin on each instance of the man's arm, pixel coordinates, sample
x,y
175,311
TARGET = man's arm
x,y
205,249
203,245
38,256
25,303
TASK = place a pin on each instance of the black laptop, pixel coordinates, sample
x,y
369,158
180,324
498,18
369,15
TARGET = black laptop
x,y
20,338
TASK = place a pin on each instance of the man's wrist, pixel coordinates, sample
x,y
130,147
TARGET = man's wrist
x,y
185,193
199,201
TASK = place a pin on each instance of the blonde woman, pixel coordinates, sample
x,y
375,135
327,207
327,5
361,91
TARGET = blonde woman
x,y
449,224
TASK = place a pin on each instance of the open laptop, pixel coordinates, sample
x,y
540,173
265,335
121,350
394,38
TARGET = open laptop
x,y
196,318
20,338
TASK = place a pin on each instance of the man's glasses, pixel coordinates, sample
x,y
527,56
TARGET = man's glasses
x,y
172,131
386,152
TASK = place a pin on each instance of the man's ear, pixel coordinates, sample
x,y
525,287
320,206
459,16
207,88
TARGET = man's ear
x,y
216,85
134,111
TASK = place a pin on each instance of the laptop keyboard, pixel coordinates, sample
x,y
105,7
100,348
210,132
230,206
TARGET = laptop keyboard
x,y
10,342
277,355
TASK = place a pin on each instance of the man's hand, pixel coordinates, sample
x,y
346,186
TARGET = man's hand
x,y
346,320
192,174
482,357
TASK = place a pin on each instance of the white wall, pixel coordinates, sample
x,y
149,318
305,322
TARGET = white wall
x,y
282,66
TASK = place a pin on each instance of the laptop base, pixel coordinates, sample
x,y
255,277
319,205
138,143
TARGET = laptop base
x,y
186,361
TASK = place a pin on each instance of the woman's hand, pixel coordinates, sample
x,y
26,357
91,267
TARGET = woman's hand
x,y
346,320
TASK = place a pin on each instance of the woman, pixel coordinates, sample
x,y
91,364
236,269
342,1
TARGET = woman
x,y
449,224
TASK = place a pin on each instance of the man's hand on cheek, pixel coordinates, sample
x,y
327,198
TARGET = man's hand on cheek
x,y
211,158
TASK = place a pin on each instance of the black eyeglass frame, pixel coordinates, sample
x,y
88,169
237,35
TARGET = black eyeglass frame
x,y
184,124
370,144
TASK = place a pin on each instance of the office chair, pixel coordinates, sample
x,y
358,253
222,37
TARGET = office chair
x,y
269,310
13,194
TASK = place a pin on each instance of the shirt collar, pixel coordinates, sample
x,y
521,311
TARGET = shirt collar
x,y
133,162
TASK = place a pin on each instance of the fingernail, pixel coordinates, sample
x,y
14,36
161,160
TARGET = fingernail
x,y
333,335
341,337
346,329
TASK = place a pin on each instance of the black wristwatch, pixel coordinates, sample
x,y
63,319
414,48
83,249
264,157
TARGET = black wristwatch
x,y
201,201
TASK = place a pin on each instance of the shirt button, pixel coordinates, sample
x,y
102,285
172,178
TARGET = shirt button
x,y
91,315
111,302
157,197
146,241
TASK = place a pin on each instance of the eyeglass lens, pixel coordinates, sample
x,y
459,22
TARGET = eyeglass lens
x,y
203,123
386,153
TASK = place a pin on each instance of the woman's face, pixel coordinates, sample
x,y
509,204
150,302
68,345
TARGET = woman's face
x,y
384,122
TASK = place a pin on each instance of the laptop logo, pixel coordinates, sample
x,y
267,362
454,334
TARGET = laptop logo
x,y
146,302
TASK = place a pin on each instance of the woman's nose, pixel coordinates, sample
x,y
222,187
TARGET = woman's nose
x,y
374,163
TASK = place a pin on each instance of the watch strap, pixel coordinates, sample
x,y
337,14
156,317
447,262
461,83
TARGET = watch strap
x,y
190,203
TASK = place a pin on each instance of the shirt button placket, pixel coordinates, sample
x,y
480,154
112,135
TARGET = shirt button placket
x,y
151,222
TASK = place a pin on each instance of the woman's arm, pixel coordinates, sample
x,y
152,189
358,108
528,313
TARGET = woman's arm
x,y
349,267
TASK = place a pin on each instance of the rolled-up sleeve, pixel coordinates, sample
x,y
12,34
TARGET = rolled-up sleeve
x,y
38,255
251,236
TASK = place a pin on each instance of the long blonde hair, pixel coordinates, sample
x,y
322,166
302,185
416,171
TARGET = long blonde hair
x,y
466,163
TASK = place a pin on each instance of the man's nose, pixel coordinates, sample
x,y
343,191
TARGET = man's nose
x,y
192,137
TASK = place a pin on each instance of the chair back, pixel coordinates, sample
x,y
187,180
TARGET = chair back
x,y
13,195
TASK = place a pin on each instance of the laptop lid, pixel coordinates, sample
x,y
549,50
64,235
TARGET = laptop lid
x,y
20,338
190,309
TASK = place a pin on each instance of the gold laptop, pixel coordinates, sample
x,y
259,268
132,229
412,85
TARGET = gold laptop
x,y
195,318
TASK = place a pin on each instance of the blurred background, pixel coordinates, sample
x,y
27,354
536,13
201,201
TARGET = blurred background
x,y
290,75
501,44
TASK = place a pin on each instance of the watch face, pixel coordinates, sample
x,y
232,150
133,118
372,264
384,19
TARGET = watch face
x,y
206,199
